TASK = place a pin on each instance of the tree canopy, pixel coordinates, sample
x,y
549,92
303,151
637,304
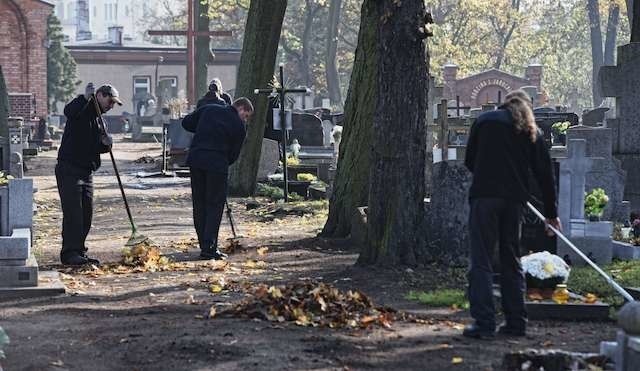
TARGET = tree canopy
x,y
61,67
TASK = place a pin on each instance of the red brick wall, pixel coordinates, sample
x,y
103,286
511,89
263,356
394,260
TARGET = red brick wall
x,y
20,105
23,34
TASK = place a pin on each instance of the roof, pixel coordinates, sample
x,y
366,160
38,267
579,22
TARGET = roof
x,y
493,71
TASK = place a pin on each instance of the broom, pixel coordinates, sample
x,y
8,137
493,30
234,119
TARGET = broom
x,y
136,238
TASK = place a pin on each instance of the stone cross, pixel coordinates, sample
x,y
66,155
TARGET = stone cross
x,y
572,182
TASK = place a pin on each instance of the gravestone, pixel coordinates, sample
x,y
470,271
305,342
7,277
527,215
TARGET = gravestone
x,y
269,157
606,171
625,351
594,117
179,141
327,127
307,128
592,238
621,82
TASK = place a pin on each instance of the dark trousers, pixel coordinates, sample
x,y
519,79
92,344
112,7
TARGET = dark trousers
x,y
208,192
75,187
496,222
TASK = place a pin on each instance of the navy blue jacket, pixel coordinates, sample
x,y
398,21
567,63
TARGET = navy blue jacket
x,y
81,144
501,159
219,134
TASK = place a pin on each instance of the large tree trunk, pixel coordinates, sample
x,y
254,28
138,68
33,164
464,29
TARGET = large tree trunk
x,y
305,63
612,34
596,48
259,49
634,9
203,47
333,80
396,195
351,185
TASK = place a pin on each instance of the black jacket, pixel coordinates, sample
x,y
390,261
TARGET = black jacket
x,y
81,144
219,134
211,98
501,160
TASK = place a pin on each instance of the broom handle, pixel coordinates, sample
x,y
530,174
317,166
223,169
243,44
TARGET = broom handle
x,y
115,168
609,280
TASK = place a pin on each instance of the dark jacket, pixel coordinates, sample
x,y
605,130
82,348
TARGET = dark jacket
x,y
81,144
219,134
501,160
210,98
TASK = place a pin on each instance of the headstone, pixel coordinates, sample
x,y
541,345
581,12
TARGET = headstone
x,y
269,157
592,238
606,171
594,117
16,135
307,128
327,127
625,351
621,82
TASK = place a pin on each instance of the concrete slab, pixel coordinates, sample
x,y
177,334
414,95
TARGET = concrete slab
x,y
21,275
49,284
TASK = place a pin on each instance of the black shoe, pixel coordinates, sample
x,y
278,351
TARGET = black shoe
x,y
74,259
473,331
91,260
212,254
511,331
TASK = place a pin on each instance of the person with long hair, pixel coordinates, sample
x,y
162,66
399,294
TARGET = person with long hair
x,y
504,147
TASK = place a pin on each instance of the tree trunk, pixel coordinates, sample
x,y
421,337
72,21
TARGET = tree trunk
x,y
635,24
351,185
630,4
396,195
612,34
596,48
4,109
257,62
333,80
203,47
305,63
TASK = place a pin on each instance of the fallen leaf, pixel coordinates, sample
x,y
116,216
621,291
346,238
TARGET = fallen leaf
x,y
262,250
212,312
215,288
456,360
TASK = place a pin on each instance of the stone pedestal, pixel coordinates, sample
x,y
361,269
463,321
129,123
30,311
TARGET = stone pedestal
x,y
592,238
269,157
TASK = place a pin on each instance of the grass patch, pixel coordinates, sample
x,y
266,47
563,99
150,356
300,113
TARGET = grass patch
x,y
585,280
440,298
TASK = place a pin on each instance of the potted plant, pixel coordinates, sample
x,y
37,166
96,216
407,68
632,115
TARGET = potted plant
x,y
594,203
560,131
543,271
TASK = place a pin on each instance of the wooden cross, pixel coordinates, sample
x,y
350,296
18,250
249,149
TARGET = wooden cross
x,y
191,35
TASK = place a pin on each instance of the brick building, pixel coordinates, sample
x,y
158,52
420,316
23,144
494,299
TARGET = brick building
x,y
23,42
487,87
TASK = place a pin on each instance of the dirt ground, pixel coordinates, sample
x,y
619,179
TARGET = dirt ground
x,y
158,321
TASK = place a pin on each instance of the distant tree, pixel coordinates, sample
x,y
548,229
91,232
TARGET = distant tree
x,y
257,62
61,67
4,107
331,70
203,47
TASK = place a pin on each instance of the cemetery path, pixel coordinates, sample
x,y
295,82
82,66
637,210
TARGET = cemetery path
x,y
158,320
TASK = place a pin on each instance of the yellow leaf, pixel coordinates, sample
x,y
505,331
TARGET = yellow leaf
x,y
262,250
456,360
215,288
212,312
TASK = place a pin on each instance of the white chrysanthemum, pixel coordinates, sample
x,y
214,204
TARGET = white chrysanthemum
x,y
543,265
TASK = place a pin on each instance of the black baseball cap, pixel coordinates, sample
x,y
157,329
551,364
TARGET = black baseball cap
x,y
110,91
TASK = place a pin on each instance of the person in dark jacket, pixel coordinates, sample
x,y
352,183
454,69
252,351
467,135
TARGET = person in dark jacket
x,y
215,95
83,140
504,146
219,134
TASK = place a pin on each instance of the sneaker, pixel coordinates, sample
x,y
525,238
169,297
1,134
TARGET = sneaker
x,y
511,331
212,254
90,260
74,259
476,332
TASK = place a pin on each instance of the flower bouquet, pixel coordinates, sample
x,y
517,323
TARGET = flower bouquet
x,y
544,270
594,203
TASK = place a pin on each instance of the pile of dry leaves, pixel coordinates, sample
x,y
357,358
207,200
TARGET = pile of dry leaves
x,y
145,256
314,304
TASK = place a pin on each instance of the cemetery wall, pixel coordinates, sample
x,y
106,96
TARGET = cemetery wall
x,y
23,40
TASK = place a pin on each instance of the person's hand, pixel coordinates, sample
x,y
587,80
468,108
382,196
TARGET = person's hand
x,y
555,223
106,140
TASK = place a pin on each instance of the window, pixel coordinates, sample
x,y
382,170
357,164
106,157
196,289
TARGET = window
x,y
174,80
141,84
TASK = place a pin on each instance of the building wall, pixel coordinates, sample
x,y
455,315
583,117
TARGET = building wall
x,y
104,14
23,56
121,76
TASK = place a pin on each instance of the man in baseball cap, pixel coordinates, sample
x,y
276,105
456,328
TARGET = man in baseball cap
x,y
107,96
